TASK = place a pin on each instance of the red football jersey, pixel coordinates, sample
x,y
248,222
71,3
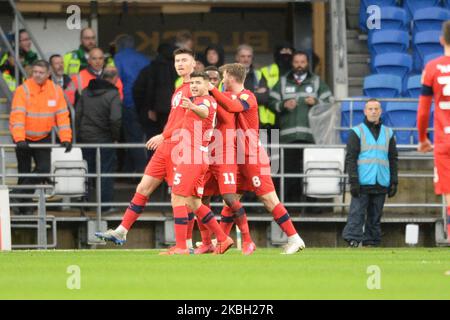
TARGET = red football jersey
x,y
176,111
437,76
199,129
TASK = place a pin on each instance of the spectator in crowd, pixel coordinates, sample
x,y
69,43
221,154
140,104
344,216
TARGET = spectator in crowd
x,y
98,120
214,55
271,74
129,63
77,60
371,163
153,91
291,99
38,106
253,80
96,64
214,75
184,39
60,78
26,55
7,68
199,63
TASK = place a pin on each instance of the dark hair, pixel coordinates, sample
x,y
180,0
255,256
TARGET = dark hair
x,y
57,55
22,31
446,32
301,53
201,74
42,64
184,51
109,73
373,100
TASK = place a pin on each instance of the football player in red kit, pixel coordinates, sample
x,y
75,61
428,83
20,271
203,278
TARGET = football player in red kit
x,y
221,180
436,83
253,163
192,160
160,166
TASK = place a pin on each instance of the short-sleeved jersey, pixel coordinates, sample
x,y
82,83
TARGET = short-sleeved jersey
x,y
176,111
437,76
199,129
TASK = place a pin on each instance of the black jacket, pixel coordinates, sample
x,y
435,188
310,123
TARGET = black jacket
x,y
155,85
351,159
252,83
98,113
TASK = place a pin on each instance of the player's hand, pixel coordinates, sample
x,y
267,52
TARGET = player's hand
x,y
310,101
290,104
210,86
152,115
425,146
187,103
154,142
261,90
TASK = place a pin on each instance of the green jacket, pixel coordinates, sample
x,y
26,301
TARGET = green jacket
x,y
28,57
294,124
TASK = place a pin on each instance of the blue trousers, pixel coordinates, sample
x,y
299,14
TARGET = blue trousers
x,y
108,162
365,211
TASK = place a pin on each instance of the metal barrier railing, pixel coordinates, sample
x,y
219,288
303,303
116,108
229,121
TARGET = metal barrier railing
x,y
406,153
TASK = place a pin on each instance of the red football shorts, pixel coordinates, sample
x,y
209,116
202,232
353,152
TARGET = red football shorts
x,y
442,169
255,178
220,179
189,179
161,165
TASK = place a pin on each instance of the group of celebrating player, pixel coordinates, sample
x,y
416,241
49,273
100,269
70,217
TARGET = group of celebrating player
x,y
209,146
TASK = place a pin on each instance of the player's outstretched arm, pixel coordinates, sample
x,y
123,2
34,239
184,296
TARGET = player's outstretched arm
x,y
423,118
230,105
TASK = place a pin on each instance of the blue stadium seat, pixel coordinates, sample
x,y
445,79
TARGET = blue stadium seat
x,y
425,43
413,86
399,64
411,6
382,86
363,10
388,41
430,19
358,116
392,18
402,115
430,57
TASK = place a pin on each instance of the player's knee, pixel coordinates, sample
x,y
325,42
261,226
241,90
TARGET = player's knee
x,y
270,200
229,199
206,200
145,187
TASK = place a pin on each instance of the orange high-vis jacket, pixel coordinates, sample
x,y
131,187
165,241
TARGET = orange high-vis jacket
x,y
36,109
84,76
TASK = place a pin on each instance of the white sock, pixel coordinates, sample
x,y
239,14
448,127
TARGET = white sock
x,y
122,230
189,243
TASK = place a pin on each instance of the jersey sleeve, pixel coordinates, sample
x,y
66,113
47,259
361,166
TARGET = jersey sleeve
x,y
425,100
230,105
249,100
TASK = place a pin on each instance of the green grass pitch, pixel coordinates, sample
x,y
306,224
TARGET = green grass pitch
x,y
413,273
